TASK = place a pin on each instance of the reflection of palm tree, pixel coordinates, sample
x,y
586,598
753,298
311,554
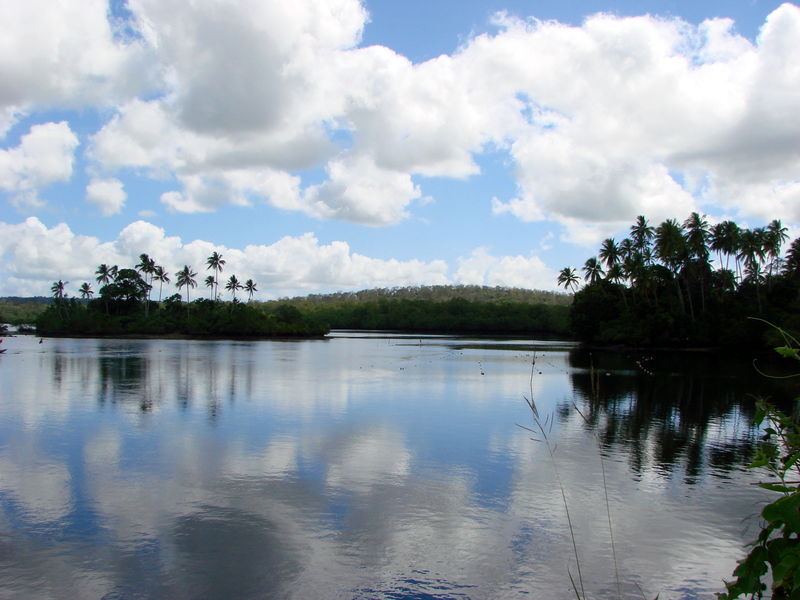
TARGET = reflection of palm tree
x,y
185,278
568,278
57,288
250,288
233,285
215,261
86,291
162,277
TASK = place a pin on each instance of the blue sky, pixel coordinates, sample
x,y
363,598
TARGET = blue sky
x,y
336,145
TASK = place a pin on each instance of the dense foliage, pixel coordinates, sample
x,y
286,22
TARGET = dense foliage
x,y
440,293
687,284
457,315
775,554
18,311
124,307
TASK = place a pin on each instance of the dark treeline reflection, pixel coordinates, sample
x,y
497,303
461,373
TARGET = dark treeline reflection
x,y
677,413
144,375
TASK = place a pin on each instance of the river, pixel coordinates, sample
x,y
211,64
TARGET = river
x,y
370,465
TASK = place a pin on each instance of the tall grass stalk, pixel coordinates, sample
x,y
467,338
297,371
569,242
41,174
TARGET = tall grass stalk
x,y
543,427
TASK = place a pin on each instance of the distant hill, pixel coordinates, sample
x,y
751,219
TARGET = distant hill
x,y
18,310
439,293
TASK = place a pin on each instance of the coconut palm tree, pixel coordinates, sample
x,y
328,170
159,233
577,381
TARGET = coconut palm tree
x,y
592,270
216,262
57,289
776,235
250,288
610,253
233,285
752,248
673,252
792,265
697,236
568,278
106,274
160,275
209,281
86,291
186,278
641,234
146,266
724,238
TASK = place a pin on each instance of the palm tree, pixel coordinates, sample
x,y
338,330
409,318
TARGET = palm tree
x,y
697,236
568,278
215,261
776,235
592,270
792,265
725,240
57,289
233,285
160,275
752,248
86,290
641,233
209,281
106,274
610,253
672,251
250,288
147,266
185,278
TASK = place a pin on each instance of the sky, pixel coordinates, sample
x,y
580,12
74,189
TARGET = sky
x,y
342,145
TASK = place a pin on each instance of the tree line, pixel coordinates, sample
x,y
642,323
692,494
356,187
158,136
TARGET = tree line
x,y
687,284
440,293
124,306
456,315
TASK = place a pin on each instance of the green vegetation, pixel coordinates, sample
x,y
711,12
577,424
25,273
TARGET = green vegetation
x,y
124,307
658,286
439,293
18,311
455,316
776,552
442,309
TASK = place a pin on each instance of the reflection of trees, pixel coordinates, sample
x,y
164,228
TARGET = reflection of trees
x,y
146,374
670,411
125,378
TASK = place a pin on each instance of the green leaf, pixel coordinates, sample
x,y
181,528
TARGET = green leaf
x,y
785,510
777,487
788,352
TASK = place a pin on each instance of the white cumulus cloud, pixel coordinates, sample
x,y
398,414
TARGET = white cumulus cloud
x,y
44,155
108,195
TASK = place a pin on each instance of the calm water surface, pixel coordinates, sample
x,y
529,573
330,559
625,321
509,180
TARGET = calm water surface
x,y
367,466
